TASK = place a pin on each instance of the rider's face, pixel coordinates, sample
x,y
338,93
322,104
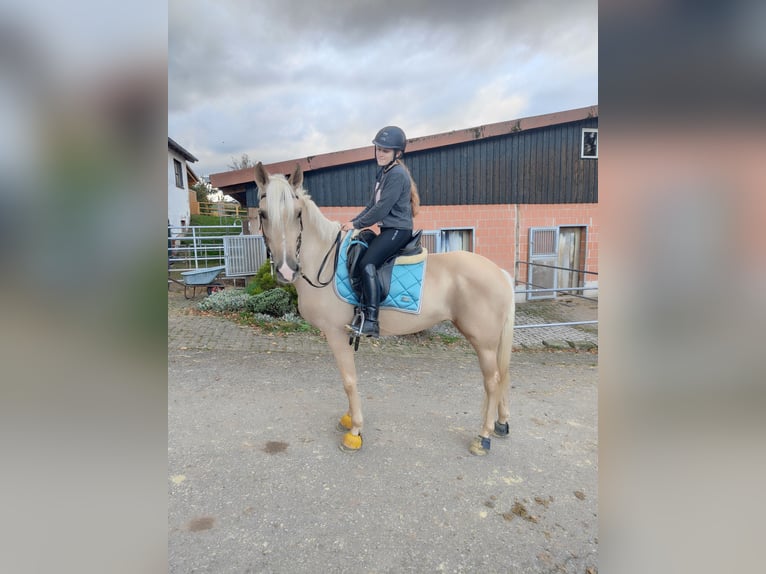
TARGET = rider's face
x,y
383,155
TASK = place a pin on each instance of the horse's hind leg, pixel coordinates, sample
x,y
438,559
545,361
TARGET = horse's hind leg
x,y
503,412
352,421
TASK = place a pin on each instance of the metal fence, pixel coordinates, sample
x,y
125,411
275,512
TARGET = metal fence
x,y
200,246
536,291
195,247
552,286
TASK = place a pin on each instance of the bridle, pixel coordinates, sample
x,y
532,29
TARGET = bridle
x,y
335,245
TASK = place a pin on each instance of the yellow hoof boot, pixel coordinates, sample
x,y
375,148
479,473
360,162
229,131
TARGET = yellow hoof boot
x,y
480,446
345,423
351,442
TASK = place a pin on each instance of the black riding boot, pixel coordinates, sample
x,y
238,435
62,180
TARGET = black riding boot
x,y
371,299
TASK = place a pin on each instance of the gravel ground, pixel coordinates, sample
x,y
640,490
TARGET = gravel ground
x,y
257,483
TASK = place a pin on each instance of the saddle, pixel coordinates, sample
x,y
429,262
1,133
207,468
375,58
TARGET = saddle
x,y
411,253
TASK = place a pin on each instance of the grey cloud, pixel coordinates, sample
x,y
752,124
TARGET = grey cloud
x,y
291,78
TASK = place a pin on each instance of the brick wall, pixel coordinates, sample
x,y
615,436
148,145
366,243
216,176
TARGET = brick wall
x,y
495,226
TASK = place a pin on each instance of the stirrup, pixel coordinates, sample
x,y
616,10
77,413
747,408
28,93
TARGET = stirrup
x,y
356,323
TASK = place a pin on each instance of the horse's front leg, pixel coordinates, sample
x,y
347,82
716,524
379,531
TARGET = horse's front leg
x,y
493,403
352,421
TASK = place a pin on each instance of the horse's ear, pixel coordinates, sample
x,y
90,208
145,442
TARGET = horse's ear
x,y
296,179
261,175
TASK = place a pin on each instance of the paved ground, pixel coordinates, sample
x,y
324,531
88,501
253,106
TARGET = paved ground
x,y
257,483
561,310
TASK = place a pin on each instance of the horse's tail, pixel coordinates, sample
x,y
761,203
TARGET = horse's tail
x,y
506,339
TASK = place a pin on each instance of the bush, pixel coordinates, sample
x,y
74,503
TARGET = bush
x,y
275,302
226,301
263,282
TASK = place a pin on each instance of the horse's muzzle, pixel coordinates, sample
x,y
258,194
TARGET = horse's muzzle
x,y
286,274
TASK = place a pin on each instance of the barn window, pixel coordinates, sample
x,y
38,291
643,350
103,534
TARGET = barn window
x,y
430,240
444,240
589,146
179,173
457,240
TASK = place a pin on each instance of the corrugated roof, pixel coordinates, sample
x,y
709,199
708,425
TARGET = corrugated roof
x,y
240,176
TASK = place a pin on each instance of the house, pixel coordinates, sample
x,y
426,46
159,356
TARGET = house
x,y
523,193
180,180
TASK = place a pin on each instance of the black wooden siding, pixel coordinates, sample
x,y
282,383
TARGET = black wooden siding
x,y
541,166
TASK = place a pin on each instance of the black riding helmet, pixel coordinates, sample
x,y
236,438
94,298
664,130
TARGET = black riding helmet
x,y
391,137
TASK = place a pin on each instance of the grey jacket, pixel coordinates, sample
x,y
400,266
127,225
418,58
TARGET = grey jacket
x,y
393,209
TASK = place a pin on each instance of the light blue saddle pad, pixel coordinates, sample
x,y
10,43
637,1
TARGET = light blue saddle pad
x,y
406,283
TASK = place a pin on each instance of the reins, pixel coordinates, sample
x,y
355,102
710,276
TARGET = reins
x,y
335,244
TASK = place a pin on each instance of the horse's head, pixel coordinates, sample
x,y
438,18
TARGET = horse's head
x,y
279,208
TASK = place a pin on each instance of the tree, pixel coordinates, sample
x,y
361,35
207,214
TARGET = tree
x,y
243,162
202,189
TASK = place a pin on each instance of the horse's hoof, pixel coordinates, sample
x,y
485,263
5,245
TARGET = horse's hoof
x,y
351,442
480,446
501,430
345,423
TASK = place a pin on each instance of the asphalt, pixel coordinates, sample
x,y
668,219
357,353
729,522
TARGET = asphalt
x,y
257,483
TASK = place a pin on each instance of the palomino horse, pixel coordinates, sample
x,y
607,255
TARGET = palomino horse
x,y
465,288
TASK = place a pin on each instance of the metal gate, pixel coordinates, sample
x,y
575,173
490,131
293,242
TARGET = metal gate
x,y
543,256
198,246
243,254
201,246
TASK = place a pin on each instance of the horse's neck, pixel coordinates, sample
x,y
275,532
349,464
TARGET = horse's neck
x,y
319,234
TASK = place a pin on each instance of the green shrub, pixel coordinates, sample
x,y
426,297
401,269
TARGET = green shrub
x,y
262,282
275,302
226,301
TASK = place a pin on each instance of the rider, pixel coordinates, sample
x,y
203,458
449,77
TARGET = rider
x,y
393,205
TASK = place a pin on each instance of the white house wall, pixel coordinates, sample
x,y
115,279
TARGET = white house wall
x,y
178,199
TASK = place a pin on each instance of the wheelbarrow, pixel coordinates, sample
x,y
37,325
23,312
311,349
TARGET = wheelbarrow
x,y
202,278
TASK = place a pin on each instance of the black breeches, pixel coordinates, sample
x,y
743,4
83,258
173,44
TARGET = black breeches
x,y
387,243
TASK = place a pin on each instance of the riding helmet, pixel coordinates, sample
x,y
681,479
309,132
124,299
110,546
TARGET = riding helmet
x,y
391,137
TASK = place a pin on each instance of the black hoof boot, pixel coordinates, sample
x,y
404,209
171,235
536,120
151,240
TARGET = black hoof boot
x,y
501,430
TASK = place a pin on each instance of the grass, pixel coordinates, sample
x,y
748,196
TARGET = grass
x,y
212,220
448,339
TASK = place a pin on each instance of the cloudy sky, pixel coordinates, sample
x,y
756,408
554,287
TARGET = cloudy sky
x,y
283,79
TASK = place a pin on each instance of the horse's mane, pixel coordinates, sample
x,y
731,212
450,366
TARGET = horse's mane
x,y
281,190
327,229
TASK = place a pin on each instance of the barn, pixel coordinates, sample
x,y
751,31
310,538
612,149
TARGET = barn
x,y
523,193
